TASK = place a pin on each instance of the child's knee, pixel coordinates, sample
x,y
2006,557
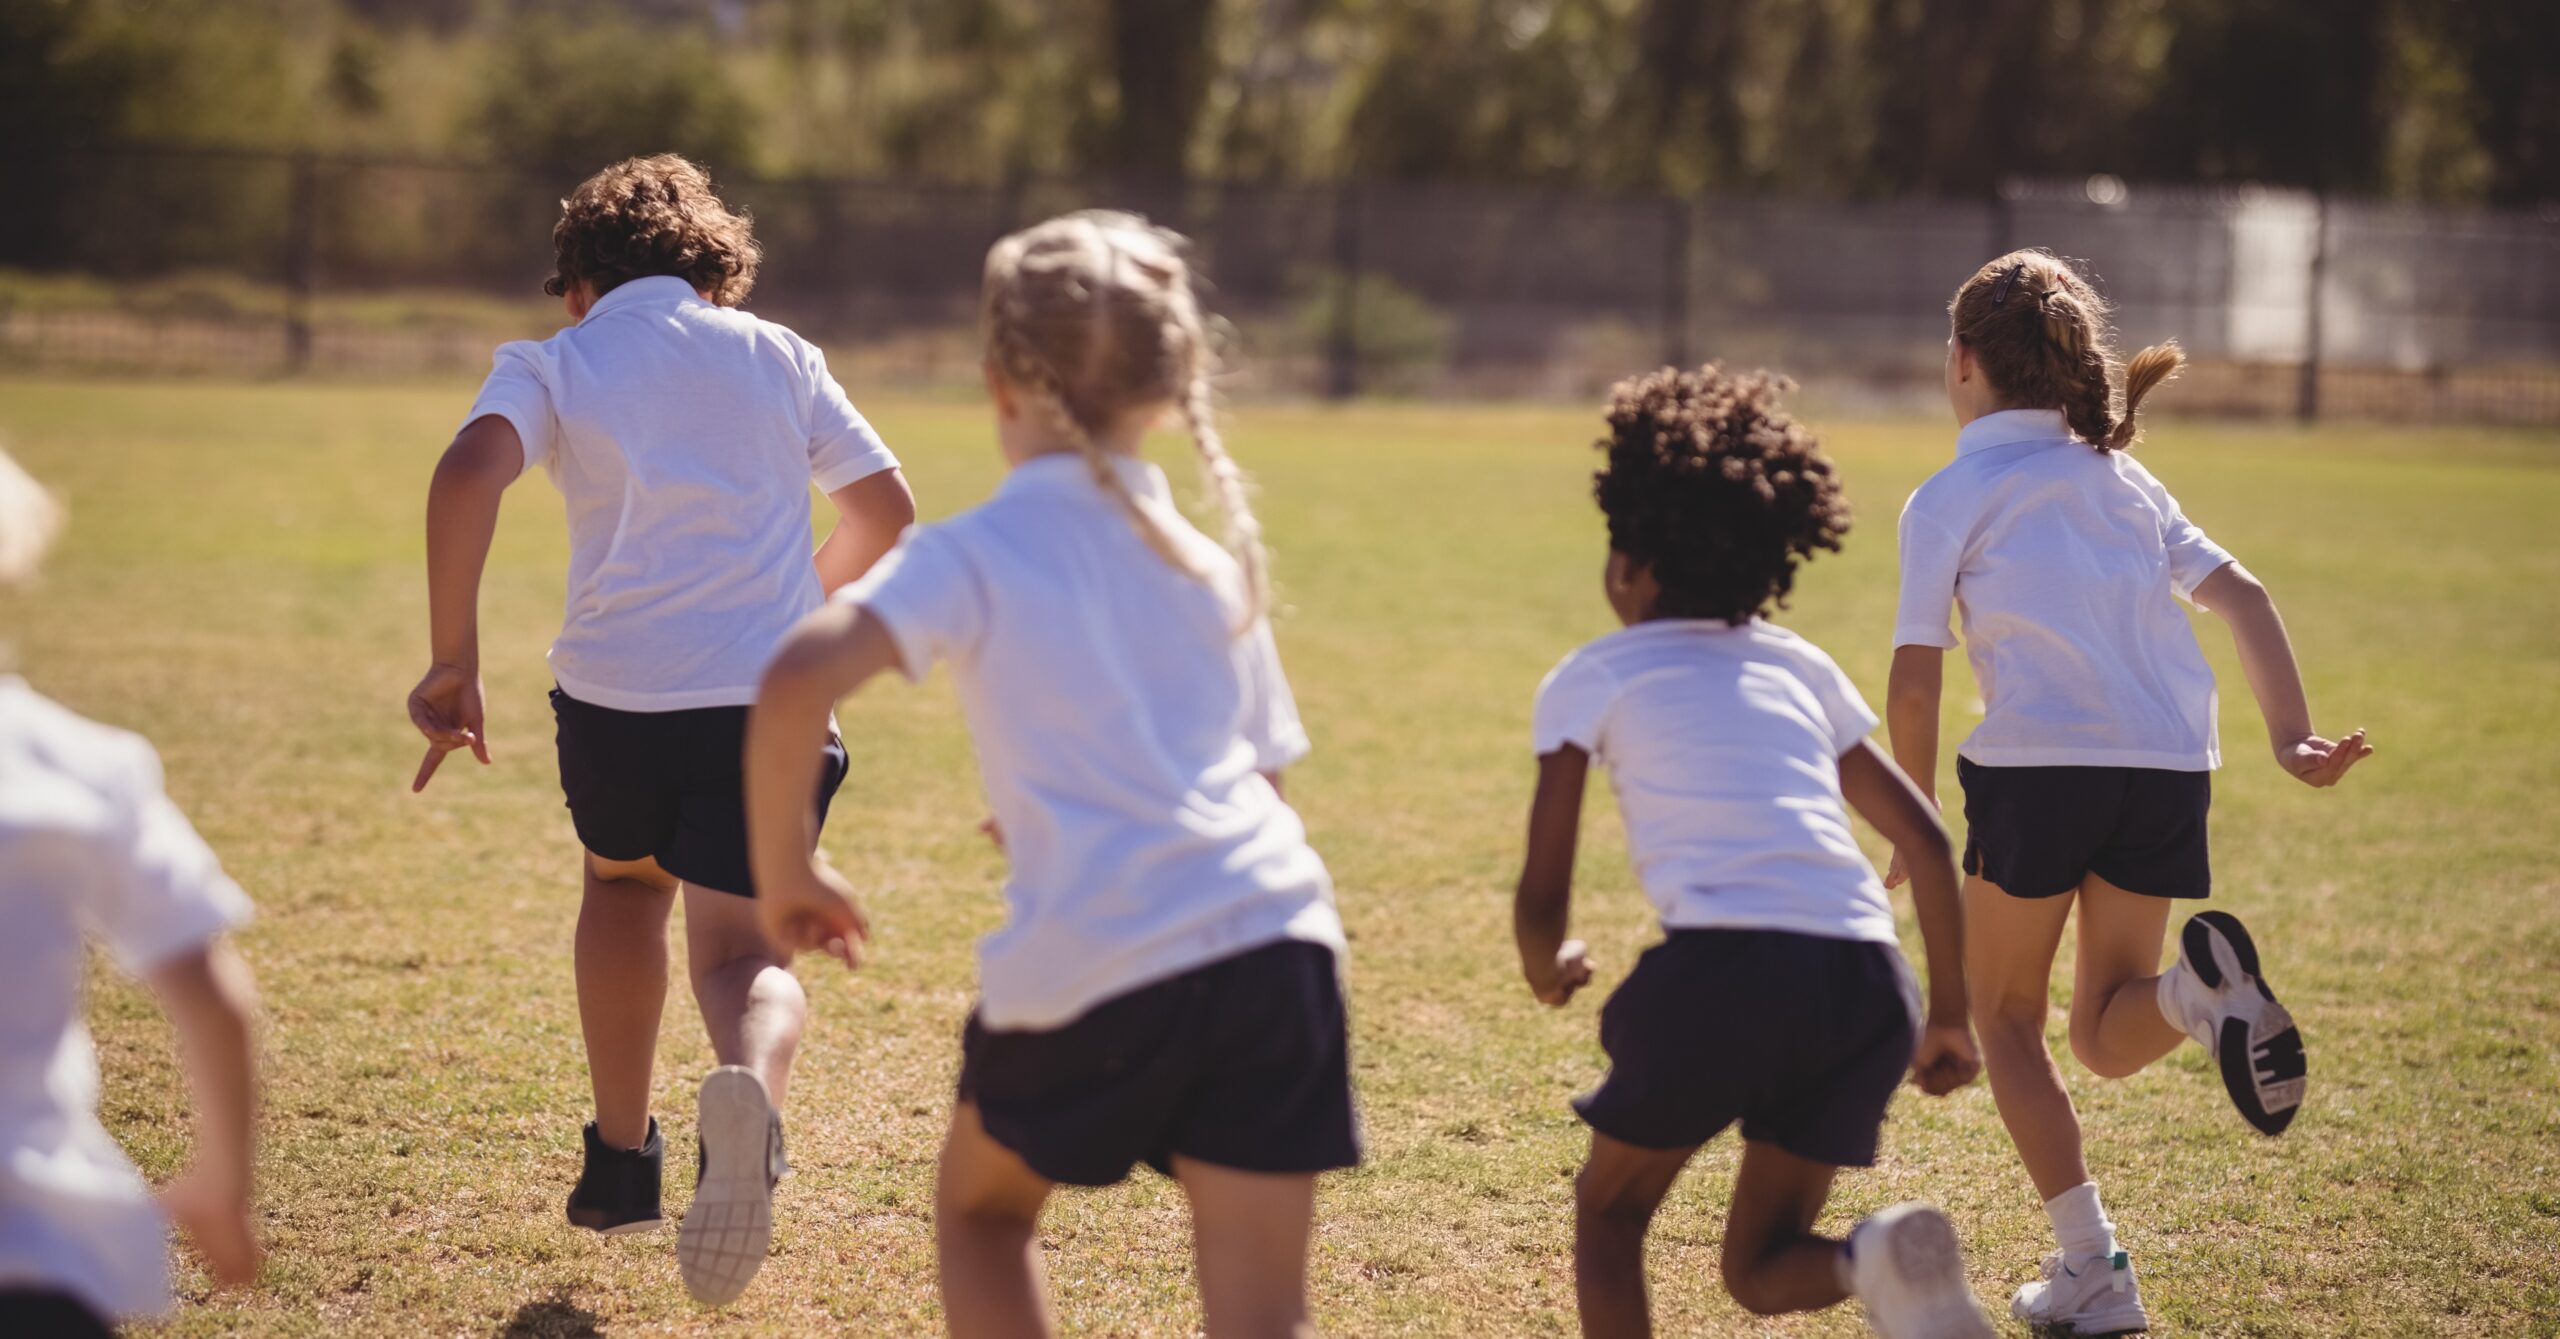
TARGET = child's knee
x,y
2014,1021
1748,1284
1611,1202
2093,1055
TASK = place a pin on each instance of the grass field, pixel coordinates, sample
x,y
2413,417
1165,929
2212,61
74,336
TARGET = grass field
x,y
242,583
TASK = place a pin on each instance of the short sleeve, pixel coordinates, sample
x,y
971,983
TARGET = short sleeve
x,y
1572,701
843,447
516,392
928,595
1845,713
161,892
1271,721
1931,557
2192,556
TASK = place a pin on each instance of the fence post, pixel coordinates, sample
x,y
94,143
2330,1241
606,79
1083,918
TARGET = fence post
x,y
1675,281
302,220
1342,339
2307,397
2004,221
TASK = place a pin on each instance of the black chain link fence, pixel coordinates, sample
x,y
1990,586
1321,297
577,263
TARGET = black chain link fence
x,y
183,260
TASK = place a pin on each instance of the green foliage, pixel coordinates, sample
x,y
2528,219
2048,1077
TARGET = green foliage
x,y
1397,338
569,92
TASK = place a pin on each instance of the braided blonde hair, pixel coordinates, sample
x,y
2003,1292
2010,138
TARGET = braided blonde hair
x,y
1092,315
2040,332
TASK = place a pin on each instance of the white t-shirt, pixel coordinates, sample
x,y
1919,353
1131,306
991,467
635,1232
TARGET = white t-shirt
x,y
1723,743
1122,732
88,846
684,437
2067,564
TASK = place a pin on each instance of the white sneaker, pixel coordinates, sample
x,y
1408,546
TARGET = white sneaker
x,y
2083,1296
1907,1272
2216,996
727,1229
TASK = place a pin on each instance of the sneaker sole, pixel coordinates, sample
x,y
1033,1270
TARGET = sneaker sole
x,y
2098,1327
729,1225
2251,1039
1921,1248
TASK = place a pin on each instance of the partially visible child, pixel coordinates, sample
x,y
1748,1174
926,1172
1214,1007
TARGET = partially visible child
x,y
1166,986
684,435
1778,997
2088,780
90,846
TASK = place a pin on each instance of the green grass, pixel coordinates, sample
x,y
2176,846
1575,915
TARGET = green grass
x,y
241,582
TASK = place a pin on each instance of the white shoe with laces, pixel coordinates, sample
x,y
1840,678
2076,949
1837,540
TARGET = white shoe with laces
x,y
2217,995
2082,1296
729,1226
1906,1270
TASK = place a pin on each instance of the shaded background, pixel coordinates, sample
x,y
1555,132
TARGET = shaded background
x,y
2341,206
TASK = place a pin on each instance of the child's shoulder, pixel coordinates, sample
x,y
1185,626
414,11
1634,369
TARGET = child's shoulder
x,y
45,737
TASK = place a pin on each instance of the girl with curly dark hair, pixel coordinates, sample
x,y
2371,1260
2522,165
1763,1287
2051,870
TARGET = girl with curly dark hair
x,y
684,436
1779,997
2088,780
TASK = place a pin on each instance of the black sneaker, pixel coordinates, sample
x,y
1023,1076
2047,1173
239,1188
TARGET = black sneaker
x,y
617,1193
729,1226
2218,995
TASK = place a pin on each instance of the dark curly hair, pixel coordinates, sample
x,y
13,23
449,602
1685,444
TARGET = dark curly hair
x,y
651,216
1716,489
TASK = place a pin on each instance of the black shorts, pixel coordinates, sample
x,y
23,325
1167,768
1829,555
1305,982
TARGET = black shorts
x,y
668,784
1244,1063
33,1311
2039,831
1802,1039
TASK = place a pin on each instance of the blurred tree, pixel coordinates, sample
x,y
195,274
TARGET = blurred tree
x,y
568,94
2281,91
1161,52
2511,53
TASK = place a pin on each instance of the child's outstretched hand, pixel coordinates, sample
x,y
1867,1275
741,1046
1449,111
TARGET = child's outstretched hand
x,y
1946,1059
815,914
445,706
1570,972
2314,761
217,1221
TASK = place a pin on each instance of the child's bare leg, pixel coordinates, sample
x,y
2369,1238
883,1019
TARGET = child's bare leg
x,y
2009,944
2116,1025
1613,1204
751,1004
986,1218
622,988
1249,1235
1773,1262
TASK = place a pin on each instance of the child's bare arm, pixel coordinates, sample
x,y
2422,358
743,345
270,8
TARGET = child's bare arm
x,y
1543,905
1911,703
871,512
2266,657
210,1002
462,516
803,904
1882,795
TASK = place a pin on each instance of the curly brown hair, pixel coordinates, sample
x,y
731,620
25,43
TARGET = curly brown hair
x,y
651,216
1716,489
2039,331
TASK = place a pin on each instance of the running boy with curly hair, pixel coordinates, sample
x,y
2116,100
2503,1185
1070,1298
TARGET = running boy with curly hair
x,y
1778,997
684,435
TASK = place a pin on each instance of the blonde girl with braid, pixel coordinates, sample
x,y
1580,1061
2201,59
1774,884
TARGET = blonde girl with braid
x,y
2088,780
1165,987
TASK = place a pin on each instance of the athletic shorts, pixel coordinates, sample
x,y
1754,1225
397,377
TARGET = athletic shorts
x,y
1802,1039
669,785
34,1311
1243,1063
2039,831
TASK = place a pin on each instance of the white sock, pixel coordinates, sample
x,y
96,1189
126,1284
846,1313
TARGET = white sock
x,y
2168,997
2080,1223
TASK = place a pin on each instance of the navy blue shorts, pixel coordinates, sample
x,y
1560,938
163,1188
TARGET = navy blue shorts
x,y
1802,1039
2040,831
1243,1063
669,785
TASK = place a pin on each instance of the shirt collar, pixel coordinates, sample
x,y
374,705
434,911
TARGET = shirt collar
x,y
656,290
1066,472
2013,425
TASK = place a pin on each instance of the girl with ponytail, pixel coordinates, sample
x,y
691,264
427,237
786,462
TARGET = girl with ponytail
x,y
1165,987
2089,778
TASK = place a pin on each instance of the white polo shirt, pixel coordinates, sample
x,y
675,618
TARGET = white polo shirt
x,y
1723,743
1122,732
684,437
2067,565
88,846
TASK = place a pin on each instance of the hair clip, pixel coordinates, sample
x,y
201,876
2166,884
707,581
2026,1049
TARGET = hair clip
x,y
2008,279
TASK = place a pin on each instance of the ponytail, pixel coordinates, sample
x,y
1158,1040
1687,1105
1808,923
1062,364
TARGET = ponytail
x,y
2147,370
